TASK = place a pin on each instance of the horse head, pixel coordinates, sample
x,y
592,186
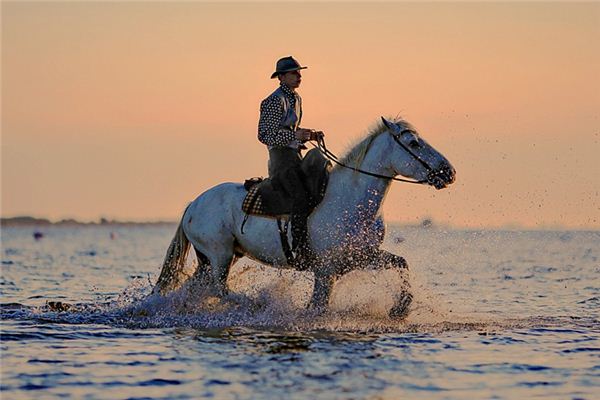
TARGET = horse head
x,y
414,158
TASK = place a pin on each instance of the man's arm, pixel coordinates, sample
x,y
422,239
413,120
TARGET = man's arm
x,y
269,132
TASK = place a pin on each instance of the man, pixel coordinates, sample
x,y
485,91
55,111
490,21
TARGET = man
x,y
279,129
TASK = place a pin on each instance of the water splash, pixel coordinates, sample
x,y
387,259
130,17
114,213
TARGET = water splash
x,y
267,298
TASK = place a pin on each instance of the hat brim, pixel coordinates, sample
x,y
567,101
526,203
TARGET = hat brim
x,y
286,70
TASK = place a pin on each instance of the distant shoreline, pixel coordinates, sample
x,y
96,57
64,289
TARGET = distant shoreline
x,y
28,221
43,222
426,223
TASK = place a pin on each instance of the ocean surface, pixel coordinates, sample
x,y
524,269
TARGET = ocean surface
x,y
496,314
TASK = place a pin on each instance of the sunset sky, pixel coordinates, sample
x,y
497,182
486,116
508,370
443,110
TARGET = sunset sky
x,y
129,110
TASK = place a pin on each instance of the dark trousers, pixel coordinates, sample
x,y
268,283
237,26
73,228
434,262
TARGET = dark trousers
x,y
285,171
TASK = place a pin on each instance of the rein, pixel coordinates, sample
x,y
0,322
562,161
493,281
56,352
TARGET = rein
x,y
332,157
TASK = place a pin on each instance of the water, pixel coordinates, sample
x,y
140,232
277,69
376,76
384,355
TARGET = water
x,y
497,314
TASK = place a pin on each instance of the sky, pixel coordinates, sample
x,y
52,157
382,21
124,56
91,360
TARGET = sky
x,y
129,110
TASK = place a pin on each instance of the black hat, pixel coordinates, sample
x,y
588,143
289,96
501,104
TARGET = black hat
x,y
286,64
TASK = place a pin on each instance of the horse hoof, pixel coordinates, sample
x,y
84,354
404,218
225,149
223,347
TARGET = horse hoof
x,y
402,307
59,306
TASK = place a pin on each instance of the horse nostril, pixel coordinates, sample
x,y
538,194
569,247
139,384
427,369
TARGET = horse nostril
x,y
448,173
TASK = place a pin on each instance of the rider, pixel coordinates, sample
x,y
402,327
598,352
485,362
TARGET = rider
x,y
279,129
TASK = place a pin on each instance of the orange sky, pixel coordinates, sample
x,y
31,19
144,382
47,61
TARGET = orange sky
x,y
130,110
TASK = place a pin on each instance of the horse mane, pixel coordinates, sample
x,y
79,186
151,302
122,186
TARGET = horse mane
x,y
357,153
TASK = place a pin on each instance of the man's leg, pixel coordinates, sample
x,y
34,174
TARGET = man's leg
x,y
299,217
285,169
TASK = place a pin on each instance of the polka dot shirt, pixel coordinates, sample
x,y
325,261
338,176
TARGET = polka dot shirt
x,y
271,113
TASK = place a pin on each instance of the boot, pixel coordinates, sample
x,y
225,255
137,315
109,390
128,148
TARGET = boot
x,y
303,254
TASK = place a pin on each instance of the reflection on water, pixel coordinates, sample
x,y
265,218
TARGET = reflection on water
x,y
496,314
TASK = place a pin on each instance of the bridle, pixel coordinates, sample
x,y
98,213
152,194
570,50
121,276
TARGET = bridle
x,y
332,157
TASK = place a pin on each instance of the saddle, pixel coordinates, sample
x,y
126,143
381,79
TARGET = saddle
x,y
266,197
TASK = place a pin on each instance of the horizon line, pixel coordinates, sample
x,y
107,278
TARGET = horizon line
x,y
425,222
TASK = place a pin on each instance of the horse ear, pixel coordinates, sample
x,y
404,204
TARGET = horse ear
x,y
386,123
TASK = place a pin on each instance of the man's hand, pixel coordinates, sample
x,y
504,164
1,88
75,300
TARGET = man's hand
x,y
317,135
304,134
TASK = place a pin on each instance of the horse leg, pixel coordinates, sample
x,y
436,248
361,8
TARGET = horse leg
x,y
220,263
202,274
401,308
394,260
382,258
321,291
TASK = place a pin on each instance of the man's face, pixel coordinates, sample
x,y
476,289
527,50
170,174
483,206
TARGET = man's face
x,y
291,79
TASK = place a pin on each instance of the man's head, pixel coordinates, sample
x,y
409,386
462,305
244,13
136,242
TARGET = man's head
x,y
288,72
291,79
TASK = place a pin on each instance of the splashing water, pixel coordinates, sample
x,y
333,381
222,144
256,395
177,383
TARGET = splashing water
x,y
267,298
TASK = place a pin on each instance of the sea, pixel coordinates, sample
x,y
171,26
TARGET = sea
x,y
496,314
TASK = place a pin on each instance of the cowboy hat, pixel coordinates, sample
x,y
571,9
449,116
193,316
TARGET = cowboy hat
x,y
286,64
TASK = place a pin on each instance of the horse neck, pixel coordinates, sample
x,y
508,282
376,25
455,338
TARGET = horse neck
x,y
358,197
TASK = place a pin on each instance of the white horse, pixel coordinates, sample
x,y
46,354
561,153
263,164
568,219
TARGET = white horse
x,y
345,230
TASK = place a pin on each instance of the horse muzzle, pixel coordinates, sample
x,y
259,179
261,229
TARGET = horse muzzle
x,y
442,177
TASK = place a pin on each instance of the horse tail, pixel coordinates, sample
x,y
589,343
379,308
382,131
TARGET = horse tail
x,y
173,273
